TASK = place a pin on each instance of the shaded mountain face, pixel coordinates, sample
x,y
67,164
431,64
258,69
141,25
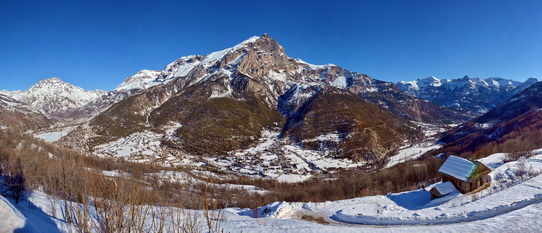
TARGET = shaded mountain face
x,y
513,126
471,94
18,116
222,101
55,98
366,130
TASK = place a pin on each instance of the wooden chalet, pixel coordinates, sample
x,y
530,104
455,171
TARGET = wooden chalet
x,y
465,175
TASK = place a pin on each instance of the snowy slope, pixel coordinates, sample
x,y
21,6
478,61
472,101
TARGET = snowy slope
x,y
141,80
10,217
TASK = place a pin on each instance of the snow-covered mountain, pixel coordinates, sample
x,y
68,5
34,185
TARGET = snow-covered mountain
x,y
217,103
55,98
473,94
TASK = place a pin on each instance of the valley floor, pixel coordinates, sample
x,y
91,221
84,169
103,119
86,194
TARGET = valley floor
x,y
513,202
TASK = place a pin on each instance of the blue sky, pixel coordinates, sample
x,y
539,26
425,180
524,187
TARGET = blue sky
x,y
97,44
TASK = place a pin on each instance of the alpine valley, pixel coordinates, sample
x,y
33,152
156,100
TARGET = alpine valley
x,y
253,110
248,139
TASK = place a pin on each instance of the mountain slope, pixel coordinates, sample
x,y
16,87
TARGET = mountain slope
x,y
223,101
366,130
18,116
513,126
472,94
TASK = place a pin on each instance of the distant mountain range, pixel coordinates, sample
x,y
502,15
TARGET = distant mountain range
x,y
513,126
472,94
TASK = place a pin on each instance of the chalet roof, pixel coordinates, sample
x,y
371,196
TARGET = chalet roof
x,y
445,188
458,168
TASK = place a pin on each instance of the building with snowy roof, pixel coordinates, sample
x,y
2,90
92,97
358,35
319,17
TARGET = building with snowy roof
x,y
466,175
442,189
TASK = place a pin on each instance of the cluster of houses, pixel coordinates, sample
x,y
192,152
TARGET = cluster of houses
x,y
461,174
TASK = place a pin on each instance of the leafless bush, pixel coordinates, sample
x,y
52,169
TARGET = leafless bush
x,y
513,156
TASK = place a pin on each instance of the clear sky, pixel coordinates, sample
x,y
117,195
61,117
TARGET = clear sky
x,y
97,44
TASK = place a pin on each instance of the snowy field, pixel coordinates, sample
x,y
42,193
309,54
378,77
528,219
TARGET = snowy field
x,y
414,151
411,152
54,135
513,203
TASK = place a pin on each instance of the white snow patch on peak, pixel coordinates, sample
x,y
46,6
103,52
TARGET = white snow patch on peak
x,y
141,80
52,80
182,66
429,81
252,39
412,85
495,83
220,54
314,67
340,82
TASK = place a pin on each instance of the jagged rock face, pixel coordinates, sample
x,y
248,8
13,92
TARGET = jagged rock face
x,y
15,115
471,94
512,126
56,99
225,99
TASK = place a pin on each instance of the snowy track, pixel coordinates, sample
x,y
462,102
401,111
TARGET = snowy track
x,y
339,216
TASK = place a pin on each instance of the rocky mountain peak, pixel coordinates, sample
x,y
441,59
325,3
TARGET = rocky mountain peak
x,y
268,44
51,80
531,81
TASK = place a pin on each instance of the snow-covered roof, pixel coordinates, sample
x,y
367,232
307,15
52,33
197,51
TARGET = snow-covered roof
x,y
445,188
458,168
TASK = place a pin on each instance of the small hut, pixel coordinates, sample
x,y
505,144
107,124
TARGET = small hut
x,y
466,175
442,189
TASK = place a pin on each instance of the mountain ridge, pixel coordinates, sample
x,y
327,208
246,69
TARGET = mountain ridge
x,y
472,94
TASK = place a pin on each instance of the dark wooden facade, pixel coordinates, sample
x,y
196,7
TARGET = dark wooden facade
x,y
478,179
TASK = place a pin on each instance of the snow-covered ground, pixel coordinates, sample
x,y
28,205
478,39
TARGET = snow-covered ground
x,y
54,135
145,143
414,151
411,152
513,203
38,213
271,157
